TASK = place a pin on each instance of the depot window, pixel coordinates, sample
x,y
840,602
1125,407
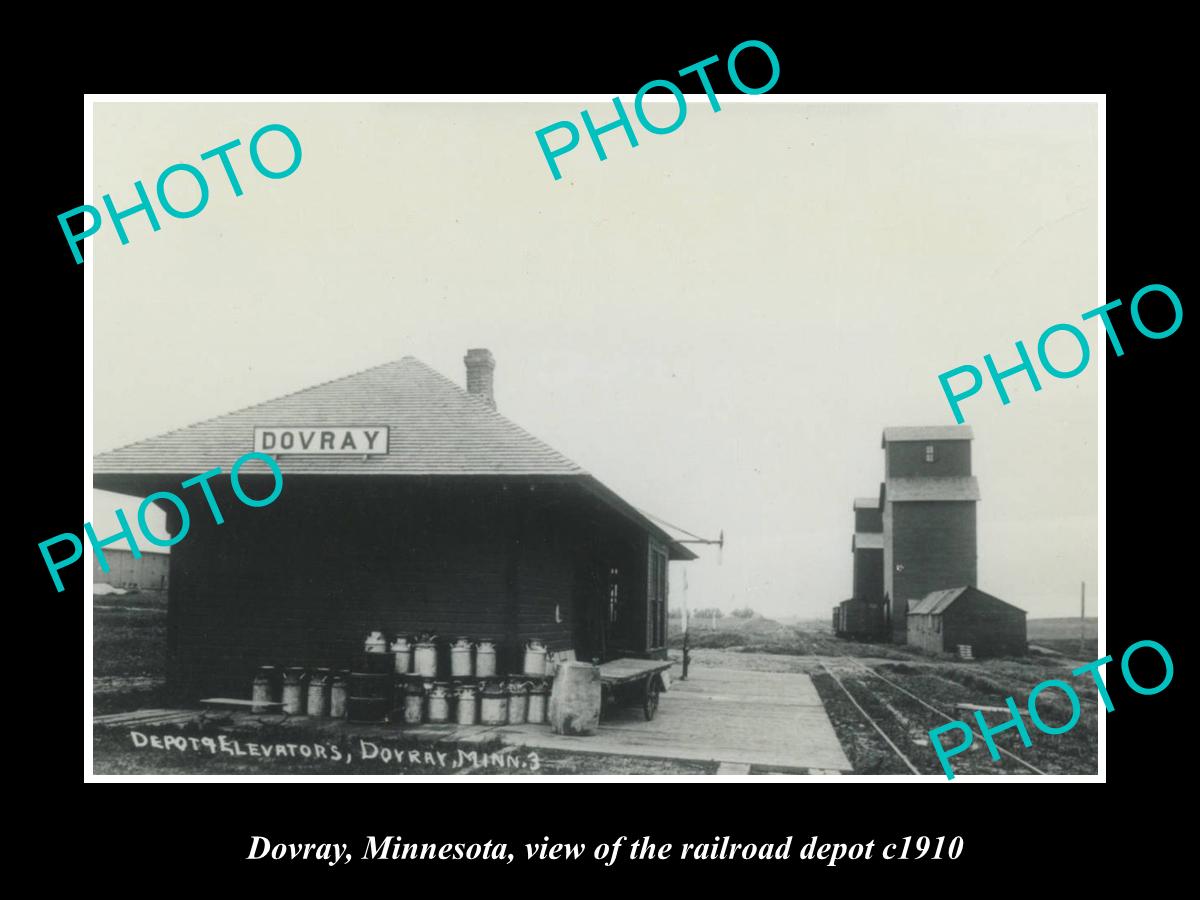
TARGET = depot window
x,y
614,595
929,455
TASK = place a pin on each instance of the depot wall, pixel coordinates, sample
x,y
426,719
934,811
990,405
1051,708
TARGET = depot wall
x,y
302,582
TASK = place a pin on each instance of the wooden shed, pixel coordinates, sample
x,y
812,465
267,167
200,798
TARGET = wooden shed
x,y
944,620
453,520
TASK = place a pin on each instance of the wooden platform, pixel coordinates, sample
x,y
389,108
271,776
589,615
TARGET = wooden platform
x,y
770,720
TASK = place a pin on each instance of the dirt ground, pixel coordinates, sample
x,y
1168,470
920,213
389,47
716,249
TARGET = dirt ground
x,y
942,684
768,636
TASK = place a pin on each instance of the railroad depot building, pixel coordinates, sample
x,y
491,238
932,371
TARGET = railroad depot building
x,y
408,505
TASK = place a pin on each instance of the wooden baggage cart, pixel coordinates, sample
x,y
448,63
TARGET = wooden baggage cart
x,y
632,682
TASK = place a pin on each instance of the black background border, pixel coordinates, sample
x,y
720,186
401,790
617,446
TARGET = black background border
x,y
165,826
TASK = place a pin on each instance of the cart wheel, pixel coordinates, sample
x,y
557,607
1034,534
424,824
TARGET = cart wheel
x,y
650,704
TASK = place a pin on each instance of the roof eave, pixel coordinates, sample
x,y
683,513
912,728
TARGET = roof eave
x,y
675,550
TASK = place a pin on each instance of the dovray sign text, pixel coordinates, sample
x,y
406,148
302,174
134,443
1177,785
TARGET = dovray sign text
x,y
325,439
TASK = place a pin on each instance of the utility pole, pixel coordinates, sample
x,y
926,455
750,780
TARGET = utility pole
x,y
687,656
1082,588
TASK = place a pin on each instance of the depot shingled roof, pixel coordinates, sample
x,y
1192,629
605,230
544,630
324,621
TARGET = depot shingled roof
x,y
435,428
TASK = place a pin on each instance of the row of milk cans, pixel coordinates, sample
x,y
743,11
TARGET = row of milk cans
x,y
468,658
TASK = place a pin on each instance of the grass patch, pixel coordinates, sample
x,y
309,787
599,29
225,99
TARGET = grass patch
x,y
769,636
129,642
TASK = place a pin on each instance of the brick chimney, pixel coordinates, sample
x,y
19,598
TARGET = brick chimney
x,y
480,365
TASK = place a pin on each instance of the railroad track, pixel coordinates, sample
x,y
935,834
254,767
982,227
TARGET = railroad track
x,y
886,700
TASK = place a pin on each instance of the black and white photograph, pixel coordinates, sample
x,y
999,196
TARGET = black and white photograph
x,y
438,437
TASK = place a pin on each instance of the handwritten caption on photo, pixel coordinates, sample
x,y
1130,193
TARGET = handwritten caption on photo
x,y
360,749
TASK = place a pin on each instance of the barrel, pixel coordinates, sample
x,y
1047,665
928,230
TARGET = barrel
x,y
367,709
535,659
365,684
485,659
375,664
575,699
425,659
396,713
369,696
460,659
438,704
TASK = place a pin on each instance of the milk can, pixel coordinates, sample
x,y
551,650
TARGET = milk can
x,y
465,710
337,696
460,659
439,703
261,695
485,659
375,643
318,695
403,651
274,677
518,701
539,692
293,692
493,704
425,659
535,659
414,702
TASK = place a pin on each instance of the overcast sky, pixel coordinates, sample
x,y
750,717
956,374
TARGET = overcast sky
x,y
717,324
